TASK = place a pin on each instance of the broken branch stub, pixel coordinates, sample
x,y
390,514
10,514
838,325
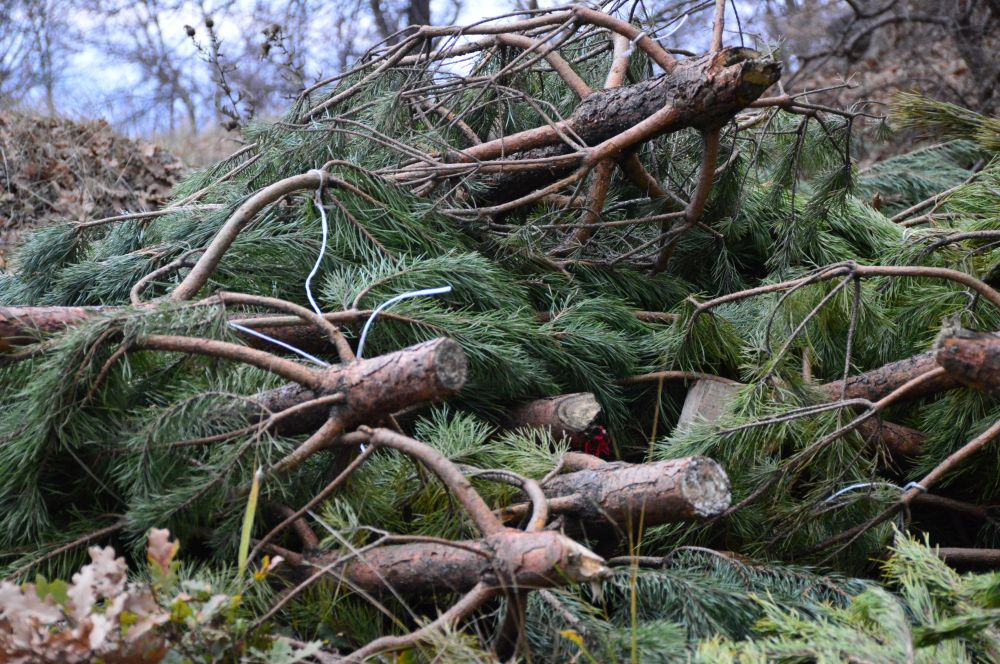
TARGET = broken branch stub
x,y
971,358
509,558
571,416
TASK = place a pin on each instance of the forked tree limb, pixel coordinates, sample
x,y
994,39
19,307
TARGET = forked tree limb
x,y
702,92
472,600
373,389
556,61
508,558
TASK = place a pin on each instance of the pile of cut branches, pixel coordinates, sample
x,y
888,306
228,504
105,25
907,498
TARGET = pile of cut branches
x,y
529,339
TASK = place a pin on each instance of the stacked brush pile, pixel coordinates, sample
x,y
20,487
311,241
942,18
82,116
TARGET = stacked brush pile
x,y
523,340
54,169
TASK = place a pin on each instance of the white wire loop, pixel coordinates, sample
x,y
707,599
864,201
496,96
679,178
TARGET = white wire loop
x,y
860,485
391,301
279,342
318,200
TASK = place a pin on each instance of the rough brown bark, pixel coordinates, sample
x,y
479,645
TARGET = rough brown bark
x,y
971,358
376,387
703,93
574,461
877,383
510,558
20,326
901,441
568,415
969,558
625,494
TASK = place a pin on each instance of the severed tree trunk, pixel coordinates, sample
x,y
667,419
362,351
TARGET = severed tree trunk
x,y
877,383
970,358
623,494
571,416
375,388
700,92
509,558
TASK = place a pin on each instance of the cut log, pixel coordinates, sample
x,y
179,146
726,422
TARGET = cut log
x,y
510,558
971,358
571,416
376,387
877,383
700,92
623,494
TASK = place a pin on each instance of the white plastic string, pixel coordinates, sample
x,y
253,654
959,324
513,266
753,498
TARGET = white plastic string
x,y
675,28
322,248
318,198
391,301
862,485
287,346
